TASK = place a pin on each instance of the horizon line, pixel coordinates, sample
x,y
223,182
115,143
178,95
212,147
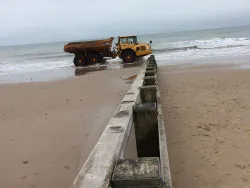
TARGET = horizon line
x,y
157,33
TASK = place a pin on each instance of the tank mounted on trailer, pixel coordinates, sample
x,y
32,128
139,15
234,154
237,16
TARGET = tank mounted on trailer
x,y
90,52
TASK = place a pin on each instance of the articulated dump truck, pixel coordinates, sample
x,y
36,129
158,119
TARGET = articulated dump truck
x,y
91,52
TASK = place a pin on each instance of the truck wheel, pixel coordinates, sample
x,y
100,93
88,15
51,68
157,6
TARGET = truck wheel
x,y
80,61
128,56
94,58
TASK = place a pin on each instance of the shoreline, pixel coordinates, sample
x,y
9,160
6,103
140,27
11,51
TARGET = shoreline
x,y
233,62
64,72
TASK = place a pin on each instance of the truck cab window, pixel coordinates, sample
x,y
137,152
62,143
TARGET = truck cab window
x,y
135,40
131,40
123,40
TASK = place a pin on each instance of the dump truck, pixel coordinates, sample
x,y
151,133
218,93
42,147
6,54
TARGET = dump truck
x,y
91,52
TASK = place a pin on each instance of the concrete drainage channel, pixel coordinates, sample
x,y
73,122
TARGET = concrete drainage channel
x,y
136,127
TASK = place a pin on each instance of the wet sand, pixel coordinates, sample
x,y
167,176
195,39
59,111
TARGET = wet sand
x,y
206,114
65,72
47,129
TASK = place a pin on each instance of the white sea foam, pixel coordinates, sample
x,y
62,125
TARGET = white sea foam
x,y
204,44
195,49
11,68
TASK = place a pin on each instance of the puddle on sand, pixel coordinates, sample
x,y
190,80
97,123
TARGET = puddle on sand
x,y
79,71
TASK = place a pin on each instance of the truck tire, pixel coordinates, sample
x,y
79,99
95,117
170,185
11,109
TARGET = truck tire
x,y
80,61
128,56
94,58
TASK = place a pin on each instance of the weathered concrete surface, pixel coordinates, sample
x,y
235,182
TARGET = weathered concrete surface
x,y
148,94
150,72
164,158
149,80
146,130
165,167
97,170
131,150
134,173
150,68
150,141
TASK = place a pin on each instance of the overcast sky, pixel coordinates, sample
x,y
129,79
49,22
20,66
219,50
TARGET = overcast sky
x,y
34,21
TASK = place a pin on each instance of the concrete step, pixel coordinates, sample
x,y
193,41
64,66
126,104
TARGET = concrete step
x,y
143,173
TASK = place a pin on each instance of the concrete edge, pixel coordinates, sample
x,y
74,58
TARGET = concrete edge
x,y
97,170
165,166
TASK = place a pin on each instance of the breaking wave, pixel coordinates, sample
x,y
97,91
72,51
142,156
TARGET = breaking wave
x,y
216,43
176,49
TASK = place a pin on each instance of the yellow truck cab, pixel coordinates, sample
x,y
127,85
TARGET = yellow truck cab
x,y
129,48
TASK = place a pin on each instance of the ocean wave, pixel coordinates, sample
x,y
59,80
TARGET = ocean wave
x,y
50,57
195,48
33,66
36,54
216,43
176,49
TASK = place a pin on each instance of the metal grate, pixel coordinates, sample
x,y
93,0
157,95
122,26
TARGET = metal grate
x,y
143,48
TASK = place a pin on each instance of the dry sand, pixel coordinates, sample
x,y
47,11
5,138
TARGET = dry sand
x,y
207,125
47,129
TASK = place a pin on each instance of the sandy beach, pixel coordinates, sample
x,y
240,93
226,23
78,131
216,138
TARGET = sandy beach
x,y
206,113
47,129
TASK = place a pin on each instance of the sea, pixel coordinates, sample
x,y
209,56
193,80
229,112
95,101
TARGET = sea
x,y
36,62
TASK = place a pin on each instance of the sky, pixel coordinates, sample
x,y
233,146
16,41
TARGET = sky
x,y
41,21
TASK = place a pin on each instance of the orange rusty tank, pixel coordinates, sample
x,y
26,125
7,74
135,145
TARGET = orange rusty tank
x,y
87,52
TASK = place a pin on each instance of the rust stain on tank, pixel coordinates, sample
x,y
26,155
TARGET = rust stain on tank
x,y
99,45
